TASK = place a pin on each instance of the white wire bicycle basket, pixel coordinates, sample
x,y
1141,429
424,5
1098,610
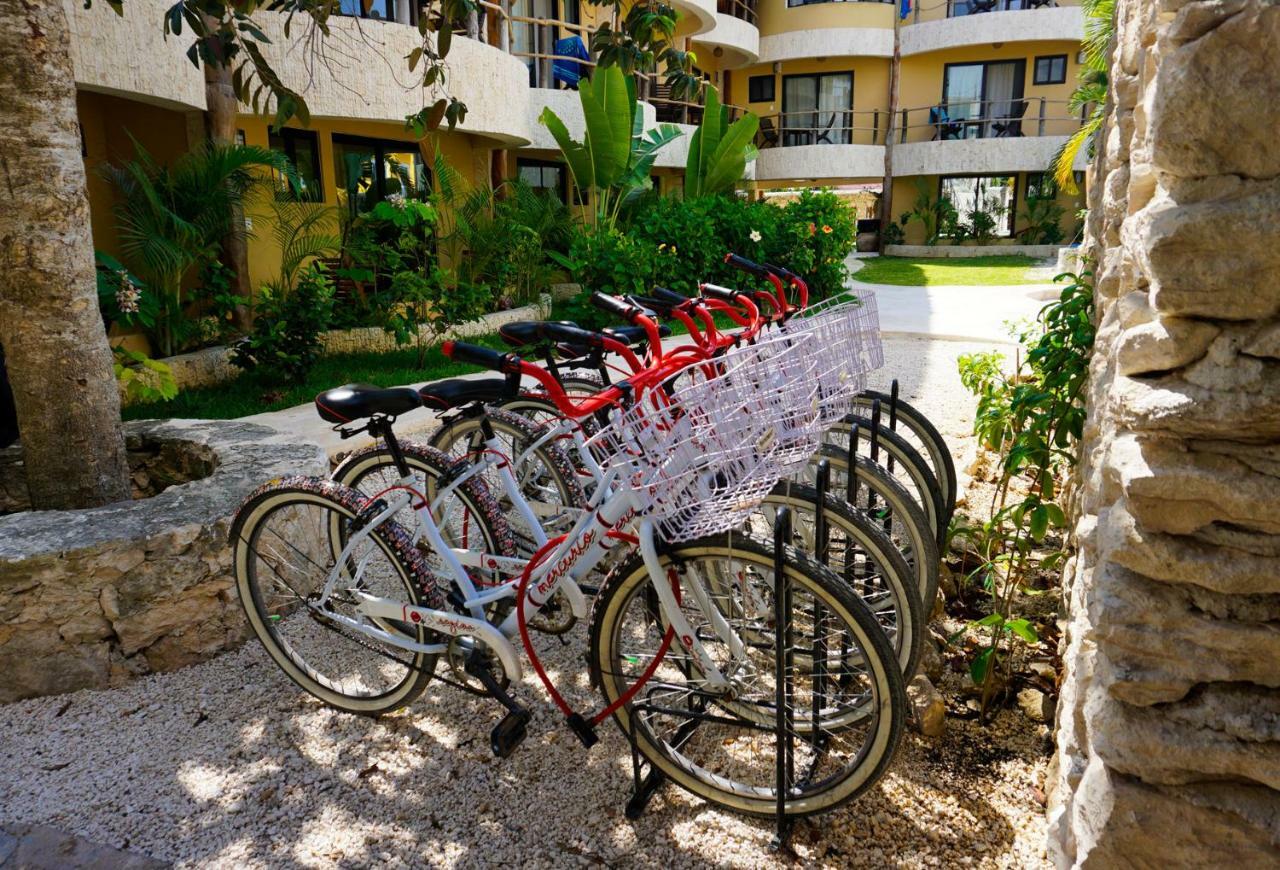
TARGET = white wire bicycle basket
x,y
709,451
843,334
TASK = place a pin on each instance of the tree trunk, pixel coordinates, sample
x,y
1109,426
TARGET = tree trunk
x,y
886,191
55,343
220,119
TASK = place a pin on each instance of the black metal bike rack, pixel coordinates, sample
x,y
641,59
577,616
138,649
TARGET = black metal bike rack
x,y
646,783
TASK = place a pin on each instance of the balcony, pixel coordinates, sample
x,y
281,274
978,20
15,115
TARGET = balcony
x,y
974,137
956,23
735,33
101,40
821,145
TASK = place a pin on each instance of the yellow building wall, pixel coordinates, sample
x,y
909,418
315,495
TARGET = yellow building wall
x,y
921,79
870,87
468,154
106,125
777,17
906,192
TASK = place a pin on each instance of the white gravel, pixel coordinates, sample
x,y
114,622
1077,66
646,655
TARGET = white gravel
x,y
229,764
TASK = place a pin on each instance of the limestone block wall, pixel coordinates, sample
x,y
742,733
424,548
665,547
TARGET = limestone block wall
x,y
96,597
1169,720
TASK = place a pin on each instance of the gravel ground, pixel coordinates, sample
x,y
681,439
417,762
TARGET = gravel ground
x,y
228,764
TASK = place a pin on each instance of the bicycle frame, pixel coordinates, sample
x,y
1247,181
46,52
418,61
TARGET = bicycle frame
x,y
568,562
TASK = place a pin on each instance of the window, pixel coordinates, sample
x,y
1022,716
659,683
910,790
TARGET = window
x,y
1050,70
760,89
1040,184
369,170
817,109
993,194
382,9
303,150
544,176
985,98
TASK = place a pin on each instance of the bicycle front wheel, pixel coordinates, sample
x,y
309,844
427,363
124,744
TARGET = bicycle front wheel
x,y
845,707
286,540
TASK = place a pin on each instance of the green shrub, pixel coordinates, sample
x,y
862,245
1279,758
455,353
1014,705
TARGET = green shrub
x,y
285,340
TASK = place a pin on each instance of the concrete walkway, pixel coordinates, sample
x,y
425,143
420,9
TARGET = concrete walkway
x,y
956,313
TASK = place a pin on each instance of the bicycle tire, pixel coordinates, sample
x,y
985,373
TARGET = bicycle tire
x,y
416,580
883,716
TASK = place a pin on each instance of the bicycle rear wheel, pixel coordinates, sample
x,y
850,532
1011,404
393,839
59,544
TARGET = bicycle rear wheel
x,y
917,429
860,553
881,497
846,708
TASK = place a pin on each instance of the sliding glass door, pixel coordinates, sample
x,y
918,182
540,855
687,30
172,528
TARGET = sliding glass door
x,y
984,95
529,40
817,109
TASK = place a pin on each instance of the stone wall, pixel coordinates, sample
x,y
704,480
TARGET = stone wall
x,y
1169,719
92,598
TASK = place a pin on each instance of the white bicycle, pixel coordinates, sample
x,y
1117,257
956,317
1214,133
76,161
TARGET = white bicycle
x,y
701,643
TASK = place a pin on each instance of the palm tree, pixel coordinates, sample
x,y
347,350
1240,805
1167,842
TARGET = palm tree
x,y
173,218
1099,29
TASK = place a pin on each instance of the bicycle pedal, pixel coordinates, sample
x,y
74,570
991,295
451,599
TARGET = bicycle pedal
x,y
508,734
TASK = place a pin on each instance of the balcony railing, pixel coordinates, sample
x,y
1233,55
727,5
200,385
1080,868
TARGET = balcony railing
x,y
744,10
993,119
840,127
933,10
795,3
555,51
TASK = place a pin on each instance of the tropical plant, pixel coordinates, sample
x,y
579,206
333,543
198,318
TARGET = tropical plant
x,y
1043,219
982,224
719,151
937,215
1032,417
287,322
646,36
171,220
303,232
143,378
1099,31
613,161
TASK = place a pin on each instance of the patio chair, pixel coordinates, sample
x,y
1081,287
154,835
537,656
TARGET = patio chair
x,y
1009,125
767,135
825,134
943,126
976,6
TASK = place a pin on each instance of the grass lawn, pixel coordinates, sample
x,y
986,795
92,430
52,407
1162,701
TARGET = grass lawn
x,y
966,271
250,393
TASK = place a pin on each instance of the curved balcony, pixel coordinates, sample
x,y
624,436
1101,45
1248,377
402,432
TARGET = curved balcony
x,y
696,16
820,145
826,42
361,73
735,36
1020,25
976,138
105,52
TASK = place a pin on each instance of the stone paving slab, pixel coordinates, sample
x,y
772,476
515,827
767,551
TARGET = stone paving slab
x,y
40,847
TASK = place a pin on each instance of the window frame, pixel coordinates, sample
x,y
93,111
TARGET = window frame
x,y
1013,197
365,16
380,148
542,163
1020,63
289,137
817,76
1050,58
772,79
